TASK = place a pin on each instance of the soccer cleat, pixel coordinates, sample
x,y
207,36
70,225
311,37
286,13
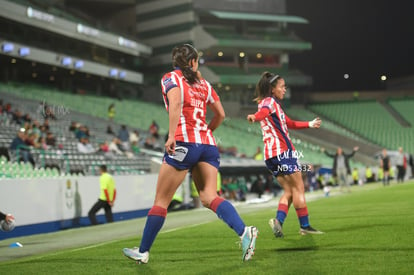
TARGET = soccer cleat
x,y
309,230
134,254
276,228
248,242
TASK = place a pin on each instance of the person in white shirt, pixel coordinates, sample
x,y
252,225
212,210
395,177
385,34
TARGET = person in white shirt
x,y
114,147
85,147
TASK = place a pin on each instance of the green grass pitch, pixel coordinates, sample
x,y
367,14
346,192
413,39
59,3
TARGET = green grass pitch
x,y
368,231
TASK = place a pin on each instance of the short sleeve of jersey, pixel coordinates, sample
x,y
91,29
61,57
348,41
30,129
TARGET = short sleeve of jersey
x,y
168,82
269,103
213,96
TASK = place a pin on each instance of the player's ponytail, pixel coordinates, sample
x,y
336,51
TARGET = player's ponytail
x,y
181,58
264,86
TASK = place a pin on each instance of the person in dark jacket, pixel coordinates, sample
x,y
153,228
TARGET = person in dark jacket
x,y
341,168
20,148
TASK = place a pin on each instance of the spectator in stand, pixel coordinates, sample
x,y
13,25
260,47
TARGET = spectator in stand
x,y
50,139
36,128
134,137
43,131
87,132
48,111
27,118
110,131
27,127
149,142
153,129
33,140
17,117
134,141
73,126
8,108
46,124
111,112
114,146
81,132
85,147
3,115
104,147
43,145
123,135
20,148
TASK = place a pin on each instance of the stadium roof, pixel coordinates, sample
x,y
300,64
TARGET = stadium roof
x,y
259,17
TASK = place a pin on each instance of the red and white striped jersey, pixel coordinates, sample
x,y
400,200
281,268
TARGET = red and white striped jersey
x,y
192,126
275,128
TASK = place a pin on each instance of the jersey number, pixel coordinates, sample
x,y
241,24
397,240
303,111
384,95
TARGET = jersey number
x,y
198,115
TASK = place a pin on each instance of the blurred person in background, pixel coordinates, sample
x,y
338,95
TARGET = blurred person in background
x,y
107,196
20,148
341,170
385,165
190,146
85,147
115,147
50,139
134,141
111,112
401,162
355,176
109,131
279,153
369,176
134,137
123,135
259,154
153,129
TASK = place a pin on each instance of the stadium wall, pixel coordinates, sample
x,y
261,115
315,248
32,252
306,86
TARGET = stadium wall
x,y
48,205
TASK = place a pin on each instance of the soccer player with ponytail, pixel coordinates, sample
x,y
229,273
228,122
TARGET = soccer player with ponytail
x,y
281,157
190,147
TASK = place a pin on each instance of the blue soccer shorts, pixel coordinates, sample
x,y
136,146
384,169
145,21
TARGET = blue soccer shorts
x,y
187,155
283,164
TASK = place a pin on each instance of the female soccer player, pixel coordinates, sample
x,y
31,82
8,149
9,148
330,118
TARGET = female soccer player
x,y
280,155
190,147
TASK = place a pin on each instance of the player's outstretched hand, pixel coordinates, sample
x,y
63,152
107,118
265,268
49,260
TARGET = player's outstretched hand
x,y
316,123
251,118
